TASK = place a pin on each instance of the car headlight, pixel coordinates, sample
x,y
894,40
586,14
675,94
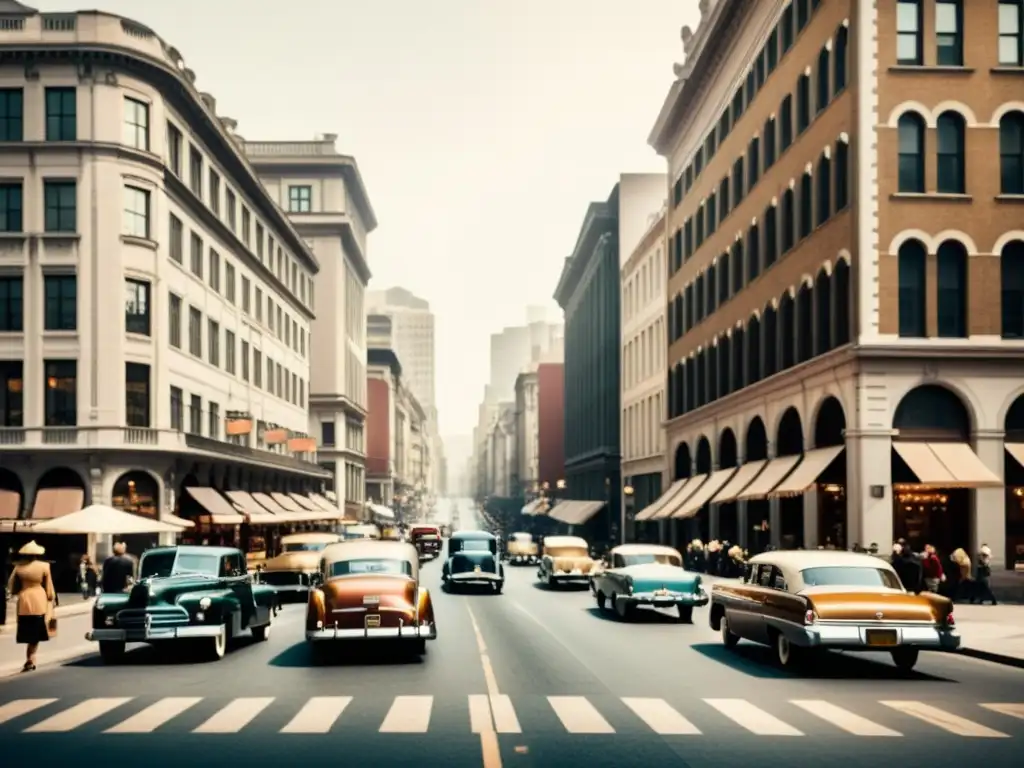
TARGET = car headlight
x,y
205,604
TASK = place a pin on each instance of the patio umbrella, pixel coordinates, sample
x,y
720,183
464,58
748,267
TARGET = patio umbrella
x,y
101,519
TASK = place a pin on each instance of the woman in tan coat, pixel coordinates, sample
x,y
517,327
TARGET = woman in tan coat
x,y
32,583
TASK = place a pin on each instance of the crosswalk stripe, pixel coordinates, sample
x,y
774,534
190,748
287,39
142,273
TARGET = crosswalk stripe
x,y
955,724
480,714
318,715
844,718
578,715
661,717
1013,710
19,707
754,719
505,720
80,714
408,714
155,715
235,716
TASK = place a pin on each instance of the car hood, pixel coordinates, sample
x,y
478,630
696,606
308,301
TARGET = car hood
x,y
651,576
293,561
169,589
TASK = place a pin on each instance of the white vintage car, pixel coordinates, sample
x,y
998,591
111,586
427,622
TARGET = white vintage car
x,y
565,560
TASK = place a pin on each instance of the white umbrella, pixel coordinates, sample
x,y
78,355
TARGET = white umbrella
x,y
101,519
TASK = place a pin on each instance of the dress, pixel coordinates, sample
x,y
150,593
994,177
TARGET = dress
x,y
32,629
33,585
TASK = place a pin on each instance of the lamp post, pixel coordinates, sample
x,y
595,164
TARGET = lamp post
x,y
627,511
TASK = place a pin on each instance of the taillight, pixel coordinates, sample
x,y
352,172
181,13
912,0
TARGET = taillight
x,y
810,617
950,621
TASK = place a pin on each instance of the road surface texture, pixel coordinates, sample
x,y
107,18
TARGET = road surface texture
x,y
528,678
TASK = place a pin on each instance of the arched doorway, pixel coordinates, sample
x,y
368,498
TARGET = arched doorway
x,y
728,455
789,441
138,493
926,513
829,429
683,463
1014,474
699,525
755,448
61,491
12,495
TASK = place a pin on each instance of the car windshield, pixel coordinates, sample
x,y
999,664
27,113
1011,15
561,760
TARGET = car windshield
x,y
475,545
305,546
360,533
163,564
370,567
644,559
567,552
844,576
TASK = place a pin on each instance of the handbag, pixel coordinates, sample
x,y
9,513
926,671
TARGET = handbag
x,y
51,617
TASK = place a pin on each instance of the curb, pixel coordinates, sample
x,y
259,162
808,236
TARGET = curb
x,y
62,612
995,658
54,661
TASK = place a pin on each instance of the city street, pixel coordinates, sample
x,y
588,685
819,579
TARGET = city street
x,y
530,677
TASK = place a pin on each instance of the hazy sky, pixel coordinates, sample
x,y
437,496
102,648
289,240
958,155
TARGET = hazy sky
x,y
483,128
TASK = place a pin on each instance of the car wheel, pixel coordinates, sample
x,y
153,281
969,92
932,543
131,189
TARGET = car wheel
x,y
111,651
786,654
905,658
728,638
217,645
261,634
622,608
602,601
497,586
686,614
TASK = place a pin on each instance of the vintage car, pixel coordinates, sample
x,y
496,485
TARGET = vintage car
x,y
473,558
427,540
184,593
799,601
360,531
650,575
291,573
522,549
565,560
370,590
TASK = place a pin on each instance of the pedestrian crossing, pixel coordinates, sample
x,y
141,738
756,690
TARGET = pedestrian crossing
x,y
480,713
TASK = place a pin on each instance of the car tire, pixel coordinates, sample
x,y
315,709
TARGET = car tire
x,y
602,601
217,645
787,655
261,633
729,640
905,658
686,614
497,586
112,651
622,608
418,647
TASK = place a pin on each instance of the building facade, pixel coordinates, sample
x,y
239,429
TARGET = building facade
x,y
550,425
383,442
527,433
642,377
324,195
847,273
119,178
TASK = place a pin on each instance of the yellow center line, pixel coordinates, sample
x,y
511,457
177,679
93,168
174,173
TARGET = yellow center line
x,y
489,747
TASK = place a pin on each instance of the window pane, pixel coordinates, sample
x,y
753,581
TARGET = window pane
x,y
906,17
1009,19
946,18
1009,51
906,48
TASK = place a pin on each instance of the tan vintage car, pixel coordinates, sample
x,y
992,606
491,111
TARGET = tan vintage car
x,y
292,571
361,531
521,549
370,590
565,560
802,600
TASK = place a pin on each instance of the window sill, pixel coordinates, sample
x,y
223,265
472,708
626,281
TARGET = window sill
x,y
54,334
58,237
13,236
142,242
146,338
942,197
1007,70
1010,199
932,68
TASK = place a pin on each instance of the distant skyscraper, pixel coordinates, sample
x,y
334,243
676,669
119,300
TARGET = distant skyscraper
x,y
412,328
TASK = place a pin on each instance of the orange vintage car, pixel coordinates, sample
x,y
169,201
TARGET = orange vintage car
x,y
802,600
370,590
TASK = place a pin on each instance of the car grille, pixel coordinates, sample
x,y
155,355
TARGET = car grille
x,y
282,578
160,618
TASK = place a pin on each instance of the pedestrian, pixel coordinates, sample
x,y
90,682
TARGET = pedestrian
x,y
118,570
86,577
32,584
983,577
964,587
931,569
906,566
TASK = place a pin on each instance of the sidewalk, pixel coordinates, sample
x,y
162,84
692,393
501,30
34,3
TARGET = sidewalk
x,y
73,621
67,605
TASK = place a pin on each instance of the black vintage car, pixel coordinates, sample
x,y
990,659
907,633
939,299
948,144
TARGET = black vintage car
x,y
187,593
473,558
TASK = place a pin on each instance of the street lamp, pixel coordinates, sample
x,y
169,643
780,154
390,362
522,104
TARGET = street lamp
x,y
627,509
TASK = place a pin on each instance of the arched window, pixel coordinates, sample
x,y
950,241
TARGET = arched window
x,y
951,153
787,221
786,123
824,91
725,382
911,151
912,289
787,331
769,143
689,305
700,295
804,324
1012,279
724,265
712,214
723,198
753,253
842,175
737,267
824,202
841,301
691,384
753,335
839,65
712,279
740,377
823,312
952,290
770,342
713,373
806,205
803,103
1011,153
702,378
771,237
753,162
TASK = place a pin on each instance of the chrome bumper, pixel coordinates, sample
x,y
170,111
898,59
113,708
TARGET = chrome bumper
x,y
152,634
475,576
423,632
289,588
666,601
854,637
582,578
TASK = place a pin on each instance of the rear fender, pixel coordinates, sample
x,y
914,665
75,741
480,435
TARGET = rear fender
x,y
425,606
316,609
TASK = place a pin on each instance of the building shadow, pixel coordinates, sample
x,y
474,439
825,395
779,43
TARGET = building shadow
x,y
346,654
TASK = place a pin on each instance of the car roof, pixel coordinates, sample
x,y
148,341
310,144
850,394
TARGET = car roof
x,y
645,549
195,549
472,535
314,537
565,541
798,559
358,549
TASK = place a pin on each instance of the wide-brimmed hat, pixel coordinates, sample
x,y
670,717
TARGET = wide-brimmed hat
x,y
32,550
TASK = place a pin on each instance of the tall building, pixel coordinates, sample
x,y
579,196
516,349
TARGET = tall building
x,y
515,347
412,325
118,177
324,195
847,276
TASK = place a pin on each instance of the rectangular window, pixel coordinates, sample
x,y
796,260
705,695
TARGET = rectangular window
x,y
803,104
214,275
196,253
214,192
229,282
229,351
949,41
61,393
12,393
195,415
259,242
909,48
61,302
270,376
1011,34
195,332
176,247
177,409
786,25
11,207
245,361
327,434
246,295
300,199
61,114
213,422
259,305
213,341
270,313
786,124
257,368
136,395
195,171
12,304
136,123
772,50
174,320
136,307
136,212
174,149
246,234
61,203
232,207
12,114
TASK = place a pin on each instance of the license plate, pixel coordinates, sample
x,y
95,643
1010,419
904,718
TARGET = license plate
x,y
477,569
371,600
882,637
372,622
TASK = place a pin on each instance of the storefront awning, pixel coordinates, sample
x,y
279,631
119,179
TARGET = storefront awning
x,y
681,497
286,501
251,508
564,511
221,512
322,503
381,511
648,512
965,466
925,465
704,494
331,495
10,504
270,504
585,511
304,502
806,474
181,522
1014,449
743,477
533,507
773,474
57,502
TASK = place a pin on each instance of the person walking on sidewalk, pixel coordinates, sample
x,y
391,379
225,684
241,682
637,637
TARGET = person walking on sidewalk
x,y
931,568
87,577
983,577
118,570
32,583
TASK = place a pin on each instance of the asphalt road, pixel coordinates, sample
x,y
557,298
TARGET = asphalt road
x,y
527,678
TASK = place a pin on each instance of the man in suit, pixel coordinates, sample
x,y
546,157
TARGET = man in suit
x,y
118,570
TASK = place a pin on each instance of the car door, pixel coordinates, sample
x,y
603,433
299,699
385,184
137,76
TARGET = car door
x,y
738,607
241,585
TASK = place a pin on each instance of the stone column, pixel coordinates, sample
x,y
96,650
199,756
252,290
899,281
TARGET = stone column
x,y
869,463
988,519
742,525
714,523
